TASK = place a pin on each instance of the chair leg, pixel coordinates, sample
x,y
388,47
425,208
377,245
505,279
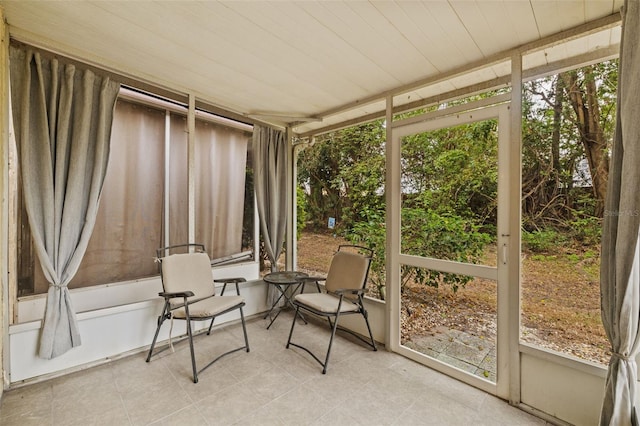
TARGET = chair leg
x,y
210,325
333,333
295,317
366,320
161,319
244,330
193,355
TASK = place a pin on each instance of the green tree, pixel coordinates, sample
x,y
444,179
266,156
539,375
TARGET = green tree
x,y
343,173
449,176
568,119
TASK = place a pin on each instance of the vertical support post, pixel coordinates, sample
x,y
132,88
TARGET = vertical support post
x,y
191,158
166,240
294,248
290,237
392,245
515,210
4,208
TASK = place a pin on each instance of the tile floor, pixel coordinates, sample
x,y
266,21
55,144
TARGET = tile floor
x,y
270,385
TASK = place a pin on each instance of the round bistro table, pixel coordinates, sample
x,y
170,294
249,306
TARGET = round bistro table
x,y
283,281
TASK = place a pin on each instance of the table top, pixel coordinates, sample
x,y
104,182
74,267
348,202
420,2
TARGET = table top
x,y
284,277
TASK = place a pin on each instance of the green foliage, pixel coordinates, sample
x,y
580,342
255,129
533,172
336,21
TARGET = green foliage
x,y
587,230
542,241
301,210
343,174
427,233
248,212
371,233
453,170
424,233
573,257
552,148
449,182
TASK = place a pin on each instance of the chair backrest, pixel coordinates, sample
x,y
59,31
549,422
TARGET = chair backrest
x,y
347,271
188,271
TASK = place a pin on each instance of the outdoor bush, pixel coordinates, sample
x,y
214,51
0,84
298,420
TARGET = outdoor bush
x,y
301,210
424,233
442,236
371,233
587,230
542,241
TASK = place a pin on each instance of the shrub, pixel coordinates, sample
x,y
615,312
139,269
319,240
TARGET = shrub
x,y
587,230
542,241
424,233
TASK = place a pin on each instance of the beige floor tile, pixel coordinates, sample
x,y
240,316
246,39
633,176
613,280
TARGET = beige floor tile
x,y
189,416
263,416
339,416
113,417
230,405
35,415
95,401
155,403
301,406
31,401
270,385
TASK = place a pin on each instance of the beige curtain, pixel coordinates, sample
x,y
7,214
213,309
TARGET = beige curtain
x,y
220,169
270,148
620,263
129,224
178,182
62,119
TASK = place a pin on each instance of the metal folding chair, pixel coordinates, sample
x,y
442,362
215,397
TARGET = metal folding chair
x,y
345,286
189,294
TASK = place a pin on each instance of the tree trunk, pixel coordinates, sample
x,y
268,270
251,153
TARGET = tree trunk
x,y
584,101
557,122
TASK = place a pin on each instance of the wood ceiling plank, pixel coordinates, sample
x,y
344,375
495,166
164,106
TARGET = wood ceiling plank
x,y
410,29
355,37
439,50
596,9
299,47
449,29
553,16
223,61
523,21
505,22
399,55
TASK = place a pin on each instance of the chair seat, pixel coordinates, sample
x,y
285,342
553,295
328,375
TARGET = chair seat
x,y
326,303
210,307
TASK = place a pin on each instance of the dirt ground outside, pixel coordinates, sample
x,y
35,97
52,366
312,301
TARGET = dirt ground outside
x,y
560,300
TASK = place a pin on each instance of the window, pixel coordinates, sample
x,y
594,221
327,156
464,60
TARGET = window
x,y
567,131
340,199
144,203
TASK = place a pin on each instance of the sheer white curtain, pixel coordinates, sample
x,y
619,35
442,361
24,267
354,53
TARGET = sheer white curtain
x,y
62,120
620,264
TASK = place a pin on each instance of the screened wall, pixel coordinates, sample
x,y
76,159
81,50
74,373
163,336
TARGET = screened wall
x,y
144,204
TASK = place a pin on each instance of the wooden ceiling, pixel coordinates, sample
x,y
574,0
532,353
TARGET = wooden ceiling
x,y
318,63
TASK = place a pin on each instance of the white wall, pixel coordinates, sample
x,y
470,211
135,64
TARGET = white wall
x,y
110,332
113,320
567,389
